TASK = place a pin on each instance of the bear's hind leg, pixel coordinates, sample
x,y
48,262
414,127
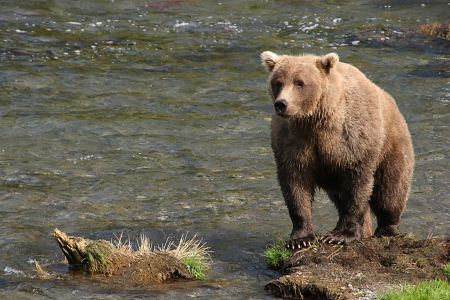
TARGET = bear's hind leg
x,y
391,187
350,227
352,203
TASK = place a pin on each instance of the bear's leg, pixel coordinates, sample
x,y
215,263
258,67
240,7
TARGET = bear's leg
x,y
391,187
299,201
352,203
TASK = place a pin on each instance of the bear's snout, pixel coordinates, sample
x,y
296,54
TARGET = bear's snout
x,y
281,106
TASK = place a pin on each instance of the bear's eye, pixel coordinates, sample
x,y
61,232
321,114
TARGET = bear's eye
x,y
299,83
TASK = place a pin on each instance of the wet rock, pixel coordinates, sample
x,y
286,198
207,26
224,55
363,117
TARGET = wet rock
x,y
161,68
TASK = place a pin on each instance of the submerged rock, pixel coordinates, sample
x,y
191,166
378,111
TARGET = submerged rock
x,y
157,69
163,4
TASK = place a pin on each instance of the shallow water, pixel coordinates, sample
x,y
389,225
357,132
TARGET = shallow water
x,y
152,117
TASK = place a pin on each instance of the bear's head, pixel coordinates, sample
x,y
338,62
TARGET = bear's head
x,y
298,84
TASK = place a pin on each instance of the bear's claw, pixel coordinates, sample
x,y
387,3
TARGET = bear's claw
x,y
298,244
328,239
339,238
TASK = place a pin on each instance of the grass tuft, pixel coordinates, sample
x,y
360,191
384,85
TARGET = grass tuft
x,y
447,271
427,290
276,253
194,256
192,253
196,265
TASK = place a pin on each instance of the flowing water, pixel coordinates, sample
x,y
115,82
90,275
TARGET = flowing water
x,y
141,116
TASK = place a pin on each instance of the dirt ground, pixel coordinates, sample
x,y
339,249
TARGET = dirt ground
x,y
361,270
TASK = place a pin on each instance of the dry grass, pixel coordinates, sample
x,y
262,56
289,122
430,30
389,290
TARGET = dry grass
x,y
438,29
186,248
192,253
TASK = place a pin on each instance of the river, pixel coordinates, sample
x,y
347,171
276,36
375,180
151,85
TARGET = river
x,y
152,117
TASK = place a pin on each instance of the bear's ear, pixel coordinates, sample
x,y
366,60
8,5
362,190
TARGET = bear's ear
x,y
327,62
269,59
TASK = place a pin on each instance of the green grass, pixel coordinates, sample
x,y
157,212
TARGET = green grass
x,y
427,290
192,253
196,265
447,271
276,253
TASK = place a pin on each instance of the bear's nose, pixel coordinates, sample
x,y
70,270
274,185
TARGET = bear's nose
x,y
281,105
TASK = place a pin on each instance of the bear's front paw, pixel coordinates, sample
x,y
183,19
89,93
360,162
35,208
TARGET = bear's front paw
x,y
304,242
338,237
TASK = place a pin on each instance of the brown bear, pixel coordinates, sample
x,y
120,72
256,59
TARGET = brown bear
x,y
335,130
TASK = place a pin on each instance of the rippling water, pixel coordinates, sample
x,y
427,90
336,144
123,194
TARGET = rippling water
x,y
152,117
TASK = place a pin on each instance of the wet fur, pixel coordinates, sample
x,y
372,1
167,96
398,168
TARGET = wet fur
x,y
343,134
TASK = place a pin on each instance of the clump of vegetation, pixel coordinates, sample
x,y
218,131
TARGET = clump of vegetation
x,y
438,29
446,269
276,253
192,253
98,256
427,290
188,259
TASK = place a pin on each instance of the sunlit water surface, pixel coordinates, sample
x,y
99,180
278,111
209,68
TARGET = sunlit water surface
x,y
152,117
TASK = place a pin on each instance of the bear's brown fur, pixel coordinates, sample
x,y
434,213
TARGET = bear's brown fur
x,y
336,130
